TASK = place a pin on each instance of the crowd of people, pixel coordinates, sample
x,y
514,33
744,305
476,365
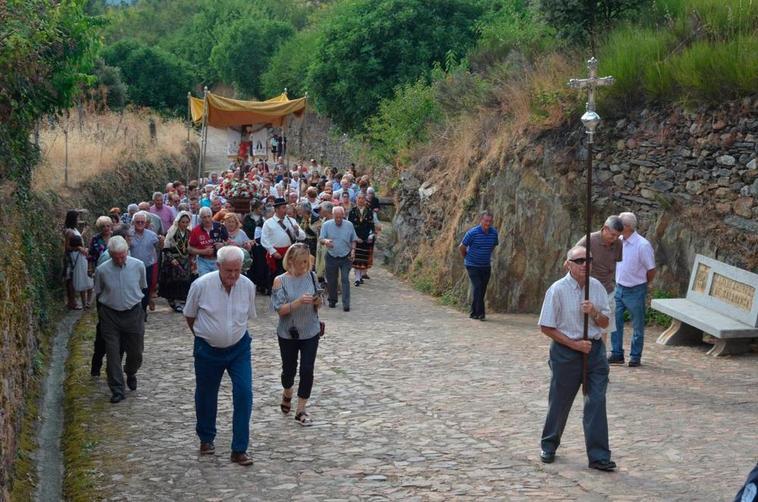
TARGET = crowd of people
x,y
207,247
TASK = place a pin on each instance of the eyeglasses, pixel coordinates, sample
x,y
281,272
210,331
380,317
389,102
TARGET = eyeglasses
x,y
581,261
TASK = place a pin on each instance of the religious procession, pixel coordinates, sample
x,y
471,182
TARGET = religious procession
x,y
344,250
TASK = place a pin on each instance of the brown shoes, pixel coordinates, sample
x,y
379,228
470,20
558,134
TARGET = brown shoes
x,y
241,458
207,449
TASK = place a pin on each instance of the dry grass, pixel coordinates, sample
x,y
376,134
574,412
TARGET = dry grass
x,y
475,148
101,142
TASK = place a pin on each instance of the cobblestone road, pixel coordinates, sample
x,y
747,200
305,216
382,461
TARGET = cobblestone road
x,y
414,401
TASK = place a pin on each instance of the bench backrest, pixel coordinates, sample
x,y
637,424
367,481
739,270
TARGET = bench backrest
x,y
726,289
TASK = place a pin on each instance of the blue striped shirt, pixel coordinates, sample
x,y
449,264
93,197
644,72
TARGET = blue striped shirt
x,y
479,246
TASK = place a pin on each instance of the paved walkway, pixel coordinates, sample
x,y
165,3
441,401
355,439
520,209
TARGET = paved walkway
x,y
414,401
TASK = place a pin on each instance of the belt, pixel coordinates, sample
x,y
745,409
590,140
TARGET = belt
x,y
138,304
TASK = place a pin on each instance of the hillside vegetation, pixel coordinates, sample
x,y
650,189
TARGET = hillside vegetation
x,y
394,72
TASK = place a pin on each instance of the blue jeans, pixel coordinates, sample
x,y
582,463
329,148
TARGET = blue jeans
x,y
633,300
206,265
210,364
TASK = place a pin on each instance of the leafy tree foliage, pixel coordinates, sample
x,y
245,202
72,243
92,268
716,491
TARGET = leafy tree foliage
x,y
244,51
290,65
46,52
582,20
153,77
403,120
109,90
368,47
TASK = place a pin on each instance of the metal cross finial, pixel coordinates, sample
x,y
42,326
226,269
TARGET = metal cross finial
x,y
590,119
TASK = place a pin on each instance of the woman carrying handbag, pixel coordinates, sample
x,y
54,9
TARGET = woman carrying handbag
x,y
297,298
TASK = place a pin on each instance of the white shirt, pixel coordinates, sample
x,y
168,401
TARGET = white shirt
x,y
220,317
638,259
274,236
562,308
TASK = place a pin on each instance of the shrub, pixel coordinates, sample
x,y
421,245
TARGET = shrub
x,y
713,72
511,25
628,54
403,120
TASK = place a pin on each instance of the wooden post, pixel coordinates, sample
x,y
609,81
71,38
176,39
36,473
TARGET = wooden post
x,y
203,136
65,157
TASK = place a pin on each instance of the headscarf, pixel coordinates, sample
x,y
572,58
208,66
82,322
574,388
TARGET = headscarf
x,y
170,241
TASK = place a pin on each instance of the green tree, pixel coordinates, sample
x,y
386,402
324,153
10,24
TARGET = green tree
x,y
368,47
153,77
46,52
109,90
244,51
290,65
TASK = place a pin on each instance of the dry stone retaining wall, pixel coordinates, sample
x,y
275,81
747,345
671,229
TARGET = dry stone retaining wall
x,y
690,176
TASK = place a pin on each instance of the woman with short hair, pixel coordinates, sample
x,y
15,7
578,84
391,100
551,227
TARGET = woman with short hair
x,y
99,242
296,298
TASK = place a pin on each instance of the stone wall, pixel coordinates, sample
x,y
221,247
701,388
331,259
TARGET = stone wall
x,y
704,158
689,175
32,261
314,137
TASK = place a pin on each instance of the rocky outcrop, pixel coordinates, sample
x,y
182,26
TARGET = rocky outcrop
x,y
690,177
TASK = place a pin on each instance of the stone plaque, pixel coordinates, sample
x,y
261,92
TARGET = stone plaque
x,y
701,278
732,292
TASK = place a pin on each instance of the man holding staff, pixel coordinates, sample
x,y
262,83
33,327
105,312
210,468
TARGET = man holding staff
x,y
562,319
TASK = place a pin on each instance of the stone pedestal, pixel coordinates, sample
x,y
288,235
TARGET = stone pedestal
x,y
680,334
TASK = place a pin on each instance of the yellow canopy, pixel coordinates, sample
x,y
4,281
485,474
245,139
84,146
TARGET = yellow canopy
x,y
226,112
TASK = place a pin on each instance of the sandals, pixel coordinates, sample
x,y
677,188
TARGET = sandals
x,y
286,404
178,308
304,419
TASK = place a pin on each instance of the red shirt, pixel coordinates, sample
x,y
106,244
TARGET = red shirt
x,y
201,239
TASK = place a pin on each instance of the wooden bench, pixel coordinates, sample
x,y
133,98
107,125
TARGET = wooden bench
x,y
721,301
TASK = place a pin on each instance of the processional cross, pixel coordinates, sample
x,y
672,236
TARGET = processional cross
x,y
590,119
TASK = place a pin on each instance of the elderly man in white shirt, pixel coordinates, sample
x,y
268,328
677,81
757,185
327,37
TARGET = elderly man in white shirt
x,y
278,233
562,320
633,274
218,307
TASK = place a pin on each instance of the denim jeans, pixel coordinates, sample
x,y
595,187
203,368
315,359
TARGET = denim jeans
x,y
480,277
210,364
633,300
206,265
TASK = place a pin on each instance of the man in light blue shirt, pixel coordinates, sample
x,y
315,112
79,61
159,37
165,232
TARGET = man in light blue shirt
x,y
339,237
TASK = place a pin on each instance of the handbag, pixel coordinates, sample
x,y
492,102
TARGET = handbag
x,y
321,324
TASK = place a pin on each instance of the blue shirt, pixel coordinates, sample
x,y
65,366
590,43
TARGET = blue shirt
x,y
479,246
342,236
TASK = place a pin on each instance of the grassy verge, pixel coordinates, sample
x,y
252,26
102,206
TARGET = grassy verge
x,y
25,466
79,434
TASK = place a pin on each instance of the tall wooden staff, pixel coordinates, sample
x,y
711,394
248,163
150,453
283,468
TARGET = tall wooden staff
x,y
590,119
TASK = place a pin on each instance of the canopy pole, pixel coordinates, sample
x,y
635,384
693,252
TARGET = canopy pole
x,y
302,128
203,135
189,127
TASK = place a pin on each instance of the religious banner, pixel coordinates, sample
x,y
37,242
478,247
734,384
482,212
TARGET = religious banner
x,y
232,142
260,141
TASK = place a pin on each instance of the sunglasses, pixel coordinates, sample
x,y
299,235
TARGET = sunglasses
x,y
581,261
